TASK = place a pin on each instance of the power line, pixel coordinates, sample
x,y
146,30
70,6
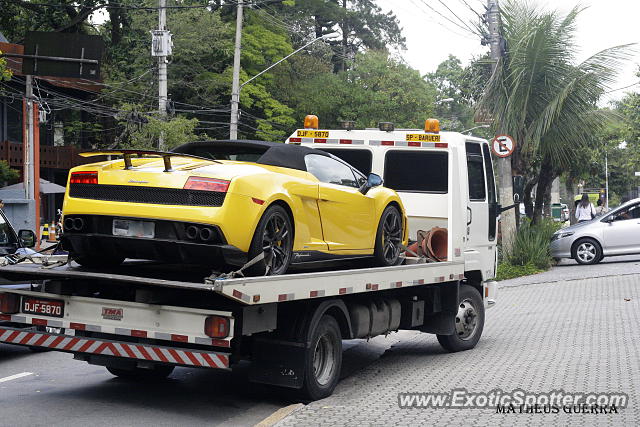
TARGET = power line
x,y
625,87
446,17
454,14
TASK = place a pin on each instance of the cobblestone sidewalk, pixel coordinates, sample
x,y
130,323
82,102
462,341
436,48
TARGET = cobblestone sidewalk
x,y
578,335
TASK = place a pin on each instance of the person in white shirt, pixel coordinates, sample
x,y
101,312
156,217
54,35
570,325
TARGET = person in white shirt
x,y
585,210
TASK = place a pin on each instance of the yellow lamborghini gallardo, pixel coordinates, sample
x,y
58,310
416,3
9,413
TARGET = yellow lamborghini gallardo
x,y
223,203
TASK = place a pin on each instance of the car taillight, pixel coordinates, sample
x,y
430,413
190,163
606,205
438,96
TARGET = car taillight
x,y
206,184
216,327
9,303
84,178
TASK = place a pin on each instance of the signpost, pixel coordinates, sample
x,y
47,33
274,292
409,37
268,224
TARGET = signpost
x,y
503,145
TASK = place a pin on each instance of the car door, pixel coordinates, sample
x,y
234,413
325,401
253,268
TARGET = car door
x,y
622,234
345,213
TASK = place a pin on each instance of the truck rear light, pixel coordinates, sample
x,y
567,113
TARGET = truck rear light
x,y
84,177
9,303
216,327
206,184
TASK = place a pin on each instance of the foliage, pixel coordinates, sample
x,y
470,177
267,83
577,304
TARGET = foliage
x,y
542,98
5,73
8,175
143,130
508,271
531,244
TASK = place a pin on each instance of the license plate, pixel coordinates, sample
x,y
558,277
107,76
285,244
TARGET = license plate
x,y
130,228
43,307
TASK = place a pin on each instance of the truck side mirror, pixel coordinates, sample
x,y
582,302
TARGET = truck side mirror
x,y
373,180
27,238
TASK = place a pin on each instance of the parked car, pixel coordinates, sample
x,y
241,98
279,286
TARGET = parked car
x,y
223,203
11,243
615,233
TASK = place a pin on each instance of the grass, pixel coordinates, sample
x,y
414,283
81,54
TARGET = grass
x,y
530,252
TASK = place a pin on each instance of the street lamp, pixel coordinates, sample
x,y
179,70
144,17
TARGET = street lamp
x,y
476,127
235,97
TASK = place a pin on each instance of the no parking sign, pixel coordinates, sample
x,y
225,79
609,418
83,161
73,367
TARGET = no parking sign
x,y
503,145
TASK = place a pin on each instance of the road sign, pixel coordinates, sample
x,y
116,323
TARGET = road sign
x,y
503,145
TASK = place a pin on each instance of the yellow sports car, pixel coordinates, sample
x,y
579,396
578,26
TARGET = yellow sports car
x,y
223,203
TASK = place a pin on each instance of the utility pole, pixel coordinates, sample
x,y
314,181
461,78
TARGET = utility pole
x,y
505,175
162,69
235,85
29,152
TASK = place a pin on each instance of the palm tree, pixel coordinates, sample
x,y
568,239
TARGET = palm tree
x,y
539,95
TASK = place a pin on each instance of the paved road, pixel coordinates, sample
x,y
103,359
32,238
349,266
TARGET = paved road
x,y
64,392
578,335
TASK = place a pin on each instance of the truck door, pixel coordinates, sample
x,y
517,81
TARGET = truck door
x,y
479,251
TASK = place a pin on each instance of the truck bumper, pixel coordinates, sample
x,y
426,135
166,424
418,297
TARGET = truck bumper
x,y
489,293
126,350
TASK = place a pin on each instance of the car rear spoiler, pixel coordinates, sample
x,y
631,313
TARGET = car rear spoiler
x,y
128,154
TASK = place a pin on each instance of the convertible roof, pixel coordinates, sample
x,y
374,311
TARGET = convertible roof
x,y
273,153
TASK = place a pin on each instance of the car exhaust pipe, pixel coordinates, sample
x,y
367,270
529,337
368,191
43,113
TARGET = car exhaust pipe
x,y
206,234
78,224
68,224
192,232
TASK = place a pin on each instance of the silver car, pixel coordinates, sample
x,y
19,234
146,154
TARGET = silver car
x,y
615,233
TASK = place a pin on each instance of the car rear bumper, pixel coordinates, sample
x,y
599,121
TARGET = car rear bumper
x,y
214,255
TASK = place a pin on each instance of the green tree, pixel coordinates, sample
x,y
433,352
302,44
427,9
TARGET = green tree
x,y
7,175
539,95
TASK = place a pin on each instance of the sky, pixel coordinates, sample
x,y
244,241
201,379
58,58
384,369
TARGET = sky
x,y
431,38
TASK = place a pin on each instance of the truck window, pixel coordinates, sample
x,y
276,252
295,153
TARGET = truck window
x,y
475,172
416,171
359,159
491,191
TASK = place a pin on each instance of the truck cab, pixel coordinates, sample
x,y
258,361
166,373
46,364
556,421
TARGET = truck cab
x,y
421,165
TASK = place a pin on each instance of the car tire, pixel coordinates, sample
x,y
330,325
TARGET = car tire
x,y
323,360
158,372
273,236
389,238
587,251
469,321
97,261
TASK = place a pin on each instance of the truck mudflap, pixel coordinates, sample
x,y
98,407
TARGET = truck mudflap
x,y
127,350
490,293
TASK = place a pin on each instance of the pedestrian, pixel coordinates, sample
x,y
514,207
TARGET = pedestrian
x,y
1,204
600,209
585,210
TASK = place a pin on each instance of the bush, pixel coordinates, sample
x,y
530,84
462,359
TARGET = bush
x,y
509,271
531,245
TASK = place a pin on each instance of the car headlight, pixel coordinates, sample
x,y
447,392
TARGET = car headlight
x,y
557,236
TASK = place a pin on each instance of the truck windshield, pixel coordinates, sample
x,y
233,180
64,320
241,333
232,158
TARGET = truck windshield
x,y
416,171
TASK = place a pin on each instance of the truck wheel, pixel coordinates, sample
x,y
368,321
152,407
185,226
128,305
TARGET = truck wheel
x,y
158,372
323,359
388,238
469,321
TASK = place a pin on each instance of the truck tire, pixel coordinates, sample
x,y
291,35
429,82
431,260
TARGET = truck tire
x,y
469,321
323,359
158,372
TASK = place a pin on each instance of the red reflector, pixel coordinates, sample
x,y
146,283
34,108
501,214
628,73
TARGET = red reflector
x,y
258,201
5,317
139,334
84,177
216,327
441,145
206,184
41,322
179,338
78,326
414,143
295,139
345,141
386,143
9,303
320,141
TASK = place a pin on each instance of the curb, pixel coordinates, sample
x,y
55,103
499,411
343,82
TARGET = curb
x,y
279,415
568,280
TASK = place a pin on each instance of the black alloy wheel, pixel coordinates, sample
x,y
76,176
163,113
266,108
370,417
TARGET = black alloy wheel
x,y
389,237
274,237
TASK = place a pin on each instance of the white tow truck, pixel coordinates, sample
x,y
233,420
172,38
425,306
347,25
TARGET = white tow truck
x,y
142,319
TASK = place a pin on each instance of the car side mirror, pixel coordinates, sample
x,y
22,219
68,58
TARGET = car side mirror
x,y
27,238
373,180
608,219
